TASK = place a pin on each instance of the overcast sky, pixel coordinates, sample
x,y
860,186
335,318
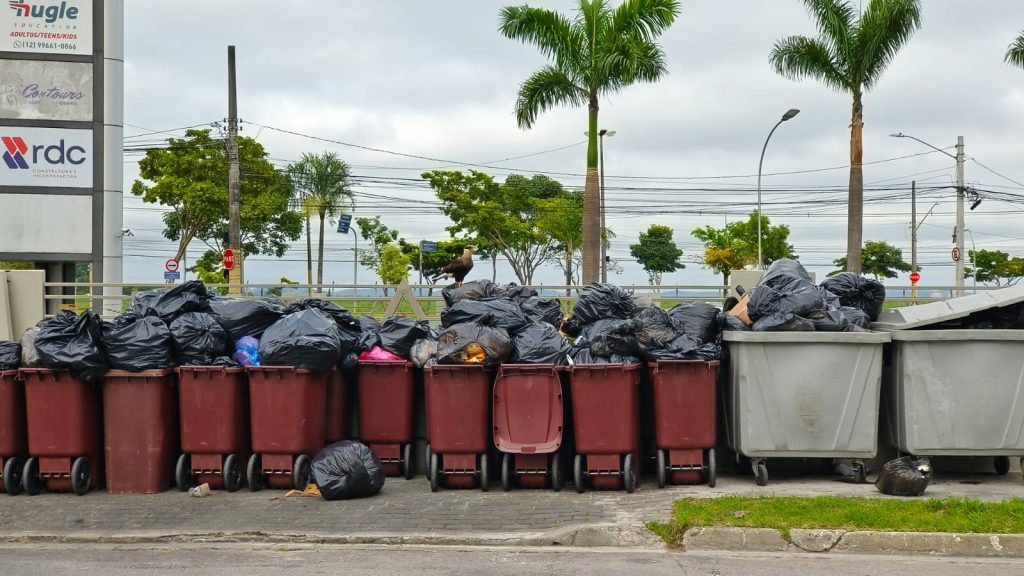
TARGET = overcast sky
x,y
436,80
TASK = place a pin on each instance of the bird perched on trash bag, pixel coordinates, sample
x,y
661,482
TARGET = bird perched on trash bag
x,y
458,268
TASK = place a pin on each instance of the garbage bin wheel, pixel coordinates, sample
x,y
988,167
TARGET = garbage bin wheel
x,y
506,471
629,474
12,475
577,473
407,469
712,469
860,473
81,476
183,473
485,478
300,471
232,473
1002,465
556,472
432,472
254,473
761,473
662,469
30,479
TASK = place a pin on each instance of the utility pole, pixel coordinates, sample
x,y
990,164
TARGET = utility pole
x,y
960,192
235,277
913,235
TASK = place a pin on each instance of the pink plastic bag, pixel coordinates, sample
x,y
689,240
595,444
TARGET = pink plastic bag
x,y
378,353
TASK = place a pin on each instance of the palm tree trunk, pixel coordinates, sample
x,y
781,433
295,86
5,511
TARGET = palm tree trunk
x,y
309,257
855,222
320,253
592,205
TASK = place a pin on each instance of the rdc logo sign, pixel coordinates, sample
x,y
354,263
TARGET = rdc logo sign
x,y
14,153
16,150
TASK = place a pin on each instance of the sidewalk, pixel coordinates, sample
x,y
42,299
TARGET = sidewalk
x,y
407,512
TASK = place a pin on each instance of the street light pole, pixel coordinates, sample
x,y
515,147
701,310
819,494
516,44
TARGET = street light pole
x,y
974,263
789,114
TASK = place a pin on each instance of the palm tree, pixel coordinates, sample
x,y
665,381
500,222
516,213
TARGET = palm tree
x,y
323,186
599,52
849,55
1015,53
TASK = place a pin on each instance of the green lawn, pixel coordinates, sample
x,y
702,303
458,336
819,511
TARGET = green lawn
x,y
845,513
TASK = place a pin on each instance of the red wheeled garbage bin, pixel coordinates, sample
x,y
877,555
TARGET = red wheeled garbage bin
x,y
214,408
336,423
386,390
606,422
13,441
140,430
685,420
528,417
458,399
65,426
287,419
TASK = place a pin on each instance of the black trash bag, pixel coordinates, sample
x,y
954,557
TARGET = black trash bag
x,y
830,321
610,337
767,301
226,362
135,344
583,356
539,344
307,339
783,323
188,297
242,317
349,328
505,312
732,323
144,300
475,290
29,356
478,343
602,301
10,355
857,291
832,302
572,327
656,327
198,339
698,320
398,334
904,476
422,351
516,292
537,309
346,470
786,275
369,323
856,316
685,347
69,342
1002,318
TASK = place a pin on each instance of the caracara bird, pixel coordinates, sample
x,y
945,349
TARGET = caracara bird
x,y
458,268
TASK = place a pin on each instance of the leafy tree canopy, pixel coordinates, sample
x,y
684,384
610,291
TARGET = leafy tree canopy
x,y
878,258
994,267
657,252
734,246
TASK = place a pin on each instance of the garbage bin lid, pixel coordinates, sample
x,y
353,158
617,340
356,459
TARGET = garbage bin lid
x,y
946,310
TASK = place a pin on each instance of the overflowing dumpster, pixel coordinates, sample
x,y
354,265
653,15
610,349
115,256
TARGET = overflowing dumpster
x,y
528,419
606,422
685,423
458,425
13,441
214,408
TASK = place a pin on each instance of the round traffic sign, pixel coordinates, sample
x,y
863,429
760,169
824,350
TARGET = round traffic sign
x,y
956,254
229,259
171,265
915,277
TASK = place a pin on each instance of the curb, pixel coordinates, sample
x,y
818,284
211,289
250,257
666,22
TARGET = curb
x,y
720,539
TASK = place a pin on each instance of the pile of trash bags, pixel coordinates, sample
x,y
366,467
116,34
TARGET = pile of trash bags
x,y
787,300
10,355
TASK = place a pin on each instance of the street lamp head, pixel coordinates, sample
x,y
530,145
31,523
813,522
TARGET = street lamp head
x,y
790,113
609,133
898,135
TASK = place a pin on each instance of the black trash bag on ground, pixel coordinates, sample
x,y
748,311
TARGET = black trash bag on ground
x,y
538,309
539,344
136,343
583,356
572,327
346,470
307,339
783,323
29,356
475,290
198,339
656,327
398,334
69,342
904,476
602,301
699,320
685,347
766,301
732,323
10,355
188,297
144,300
857,291
610,337
786,275
349,328
478,343
505,312
242,317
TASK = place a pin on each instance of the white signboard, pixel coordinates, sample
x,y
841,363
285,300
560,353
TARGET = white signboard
x,y
33,90
46,157
45,223
49,26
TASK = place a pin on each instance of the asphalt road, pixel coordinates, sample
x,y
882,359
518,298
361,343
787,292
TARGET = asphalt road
x,y
19,560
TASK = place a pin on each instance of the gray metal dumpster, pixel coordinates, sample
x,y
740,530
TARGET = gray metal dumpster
x,y
955,391
804,395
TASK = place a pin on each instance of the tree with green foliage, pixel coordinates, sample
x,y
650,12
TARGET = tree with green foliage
x,y
190,176
657,252
594,55
734,246
561,218
433,262
504,217
394,265
379,236
850,54
1015,53
878,258
322,186
994,267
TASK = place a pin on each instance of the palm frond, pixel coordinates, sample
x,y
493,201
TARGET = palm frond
x,y
548,30
885,27
1015,53
630,60
545,89
799,57
648,18
835,21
